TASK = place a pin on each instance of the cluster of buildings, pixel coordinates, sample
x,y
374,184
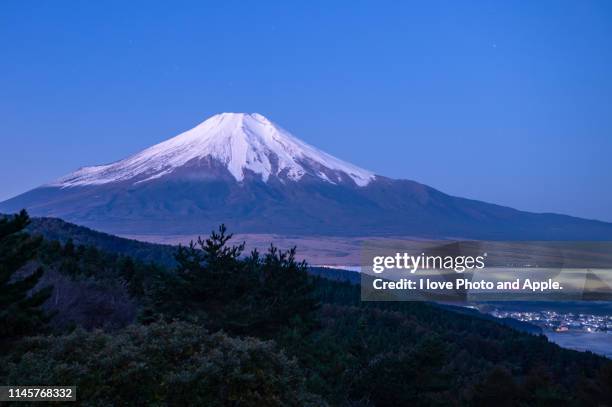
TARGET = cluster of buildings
x,y
560,322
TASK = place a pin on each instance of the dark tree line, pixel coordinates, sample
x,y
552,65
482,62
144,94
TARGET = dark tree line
x,y
20,312
289,338
255,295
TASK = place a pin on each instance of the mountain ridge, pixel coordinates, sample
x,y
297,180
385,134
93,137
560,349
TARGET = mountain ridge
x,y
245,171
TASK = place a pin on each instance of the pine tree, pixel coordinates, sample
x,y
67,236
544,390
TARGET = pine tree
x,y
211,271
286,293
20,312
254,295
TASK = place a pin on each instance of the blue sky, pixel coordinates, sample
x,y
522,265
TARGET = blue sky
x,y
506,102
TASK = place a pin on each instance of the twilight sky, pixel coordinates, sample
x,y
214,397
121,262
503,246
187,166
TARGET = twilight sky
x,y
506,102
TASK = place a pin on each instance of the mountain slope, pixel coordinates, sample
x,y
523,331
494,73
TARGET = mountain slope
x,y
57,229
246,172
240,142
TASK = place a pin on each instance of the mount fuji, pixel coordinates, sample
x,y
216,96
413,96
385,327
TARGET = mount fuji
x,y
247,172
241,143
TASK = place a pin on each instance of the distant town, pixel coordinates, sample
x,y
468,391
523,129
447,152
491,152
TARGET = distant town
x,y
560,322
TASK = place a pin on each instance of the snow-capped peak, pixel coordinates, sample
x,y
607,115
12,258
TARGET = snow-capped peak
x,y
239,141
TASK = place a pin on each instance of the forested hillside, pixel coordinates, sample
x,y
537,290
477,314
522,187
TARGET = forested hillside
x,y
223,327
56,229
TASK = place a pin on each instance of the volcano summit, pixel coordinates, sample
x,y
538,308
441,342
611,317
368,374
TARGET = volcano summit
x,y
247,172
239,142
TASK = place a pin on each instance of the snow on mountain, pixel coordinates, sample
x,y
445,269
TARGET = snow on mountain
x,y
239,141
191,184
